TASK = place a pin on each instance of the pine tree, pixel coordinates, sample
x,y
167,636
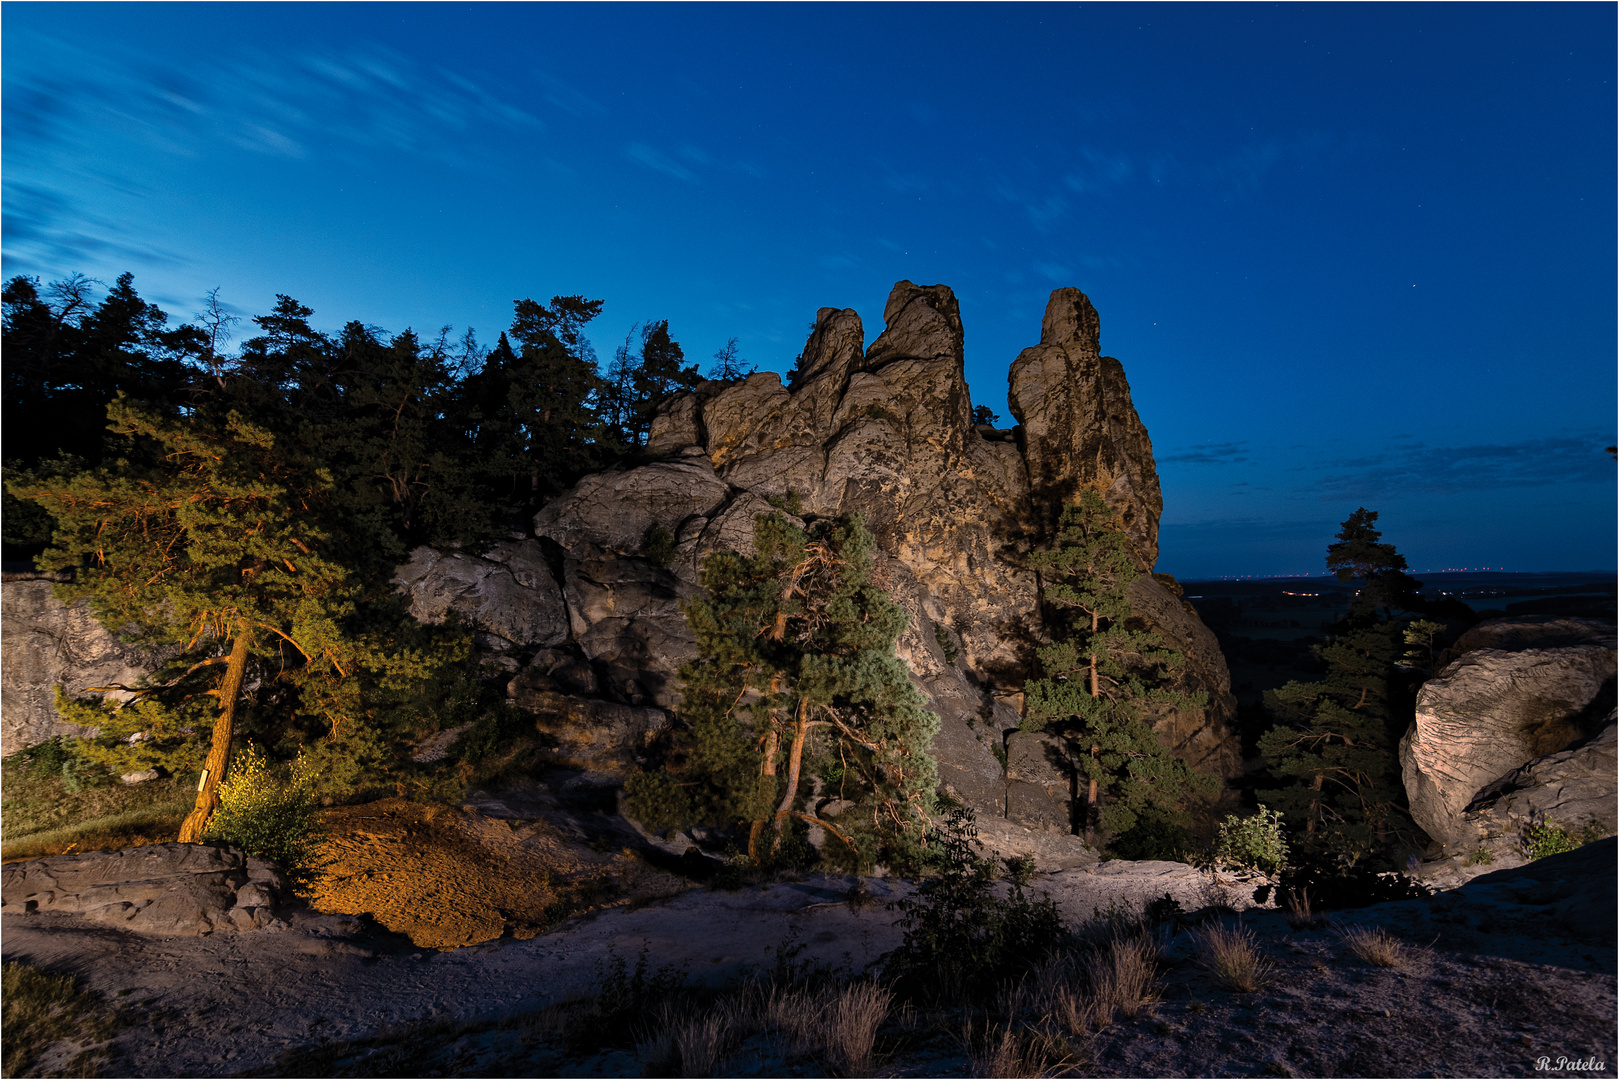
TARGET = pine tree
x,y
797,678
213,541
1100,679
1335,739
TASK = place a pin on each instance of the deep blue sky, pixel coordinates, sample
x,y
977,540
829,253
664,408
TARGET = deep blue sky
x,y
1349,255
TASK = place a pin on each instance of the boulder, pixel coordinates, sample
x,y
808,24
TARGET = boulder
x,y
48,643
613,512
1572,788
508,592
1494,710
183,890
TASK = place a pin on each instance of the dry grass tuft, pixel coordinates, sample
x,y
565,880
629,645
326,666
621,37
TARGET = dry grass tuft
x,y
1232,956
839,1024
1299,916
701,1042
1121,977
1374,945
1014,1051
849,1025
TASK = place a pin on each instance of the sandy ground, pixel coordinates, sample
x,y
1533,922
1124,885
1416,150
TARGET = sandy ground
x,y
1496,976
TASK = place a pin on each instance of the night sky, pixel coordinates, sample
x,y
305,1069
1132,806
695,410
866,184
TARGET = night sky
x,y
1349,255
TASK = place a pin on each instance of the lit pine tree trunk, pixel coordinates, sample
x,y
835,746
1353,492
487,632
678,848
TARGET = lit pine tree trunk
x,y
213,769
767,768
795,760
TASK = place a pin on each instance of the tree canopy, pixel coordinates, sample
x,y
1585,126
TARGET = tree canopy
x,y
1101,678
797,708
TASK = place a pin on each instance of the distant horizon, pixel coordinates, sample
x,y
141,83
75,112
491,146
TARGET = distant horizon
x,y
1429,573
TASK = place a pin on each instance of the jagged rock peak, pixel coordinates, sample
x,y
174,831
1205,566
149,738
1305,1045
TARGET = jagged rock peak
x,y
921,321
835,345
1080,426
1071,321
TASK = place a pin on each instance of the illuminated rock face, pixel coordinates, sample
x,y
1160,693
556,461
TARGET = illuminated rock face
x,y
48,643
888,433
1504,731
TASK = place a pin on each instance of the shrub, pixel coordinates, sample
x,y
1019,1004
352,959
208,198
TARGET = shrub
x,y
961,938
659,547
947,644
1374,945
271,812
1479,856
1232,956
1549,838
1256,842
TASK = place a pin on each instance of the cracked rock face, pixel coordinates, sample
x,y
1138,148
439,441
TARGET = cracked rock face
x,y
1495,722
184,890
885,432
46,643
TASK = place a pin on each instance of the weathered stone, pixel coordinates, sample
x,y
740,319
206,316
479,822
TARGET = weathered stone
x,y
47,643
174,889
138,777
886,433
509,592
1492,711
613,512
1040,781
1572,788
626,618
1200,737
602,736
1079,425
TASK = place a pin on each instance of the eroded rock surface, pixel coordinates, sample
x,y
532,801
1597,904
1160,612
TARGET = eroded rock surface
x,y
183,890
1522,691
49,643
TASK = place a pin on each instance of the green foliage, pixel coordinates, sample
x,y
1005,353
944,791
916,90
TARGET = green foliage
x,y
42,1009
1258,841
210,531
1357,555
963,940
796,677
1153,836
1479,856
269,811
1545,838
792,502
1335,739
625,995
1100,679
1419,638
947,644
983,414
659,547
875,411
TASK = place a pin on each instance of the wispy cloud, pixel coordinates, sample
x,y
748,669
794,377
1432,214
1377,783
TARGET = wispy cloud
x,y
1231,453
647,157
1416,468
360,100
42,232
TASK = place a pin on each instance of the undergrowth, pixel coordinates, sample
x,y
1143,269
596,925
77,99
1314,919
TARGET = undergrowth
x,y
40,1010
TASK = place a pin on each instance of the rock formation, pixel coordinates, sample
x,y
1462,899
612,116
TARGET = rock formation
x,y
179,889
48,643
885,432
1505,730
